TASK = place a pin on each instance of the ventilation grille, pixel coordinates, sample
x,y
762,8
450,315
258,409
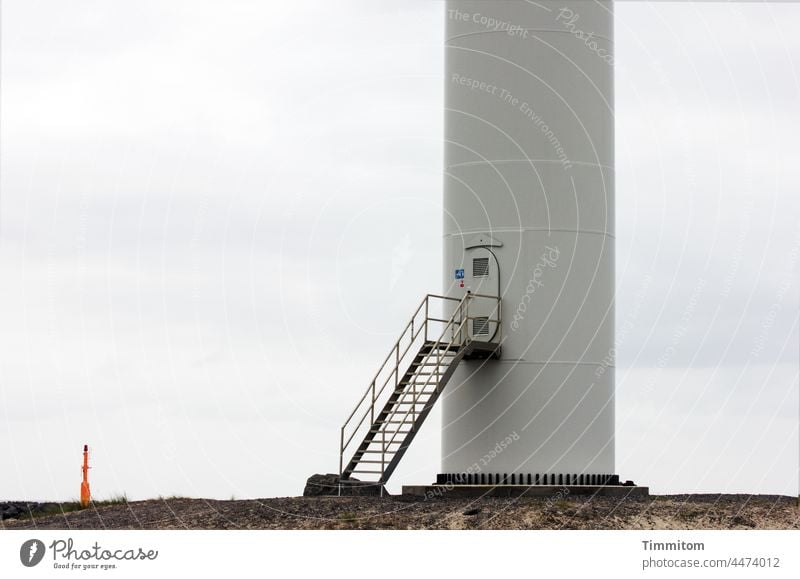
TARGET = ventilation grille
x,y
480,267
480,326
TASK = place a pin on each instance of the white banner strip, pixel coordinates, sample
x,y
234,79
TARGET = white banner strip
x,y
400,554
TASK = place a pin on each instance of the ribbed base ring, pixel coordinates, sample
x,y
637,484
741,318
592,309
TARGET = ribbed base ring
x,y
563,479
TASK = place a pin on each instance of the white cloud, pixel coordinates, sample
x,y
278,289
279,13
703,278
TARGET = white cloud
x,y
206,210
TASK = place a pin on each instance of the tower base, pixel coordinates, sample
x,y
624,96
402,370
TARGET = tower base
x,y
451,490
529,479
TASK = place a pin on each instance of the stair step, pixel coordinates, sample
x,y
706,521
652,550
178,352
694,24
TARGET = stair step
x,y
375,451
421,383
418,398
389,454
392,431
396,423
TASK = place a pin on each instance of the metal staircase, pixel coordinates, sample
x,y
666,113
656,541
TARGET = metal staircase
x,y
412,377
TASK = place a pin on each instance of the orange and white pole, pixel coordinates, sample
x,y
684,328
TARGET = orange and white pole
x,y
86,494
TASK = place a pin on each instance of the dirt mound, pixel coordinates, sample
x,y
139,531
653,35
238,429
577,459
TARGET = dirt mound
x,y
398,512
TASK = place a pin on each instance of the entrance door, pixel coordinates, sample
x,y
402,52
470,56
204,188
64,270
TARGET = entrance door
x,y
482,278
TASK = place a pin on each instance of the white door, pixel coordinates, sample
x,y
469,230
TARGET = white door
x,y
482,278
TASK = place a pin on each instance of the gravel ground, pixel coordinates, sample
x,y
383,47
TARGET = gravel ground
x,y
399,512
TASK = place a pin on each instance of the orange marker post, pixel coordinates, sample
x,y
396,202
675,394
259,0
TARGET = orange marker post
x,y
86,494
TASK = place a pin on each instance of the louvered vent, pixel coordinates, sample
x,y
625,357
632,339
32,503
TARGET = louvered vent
x,y
480,326
480,267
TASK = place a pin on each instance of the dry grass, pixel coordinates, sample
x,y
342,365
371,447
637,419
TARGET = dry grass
x,y
662,512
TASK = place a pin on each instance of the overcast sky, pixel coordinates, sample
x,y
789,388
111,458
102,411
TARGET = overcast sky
x,y
216,217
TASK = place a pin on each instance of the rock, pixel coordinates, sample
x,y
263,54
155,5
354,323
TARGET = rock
x,y
321,485
18,510
11,512
327,485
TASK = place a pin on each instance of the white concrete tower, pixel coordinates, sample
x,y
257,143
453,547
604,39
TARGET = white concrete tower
x,y
529,213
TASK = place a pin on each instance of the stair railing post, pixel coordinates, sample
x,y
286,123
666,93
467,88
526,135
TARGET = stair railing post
x,y
499,320
453,326
413,402
427,299
341,454
439,363
372,406
464,315
397,367
461,316
383,452
463,319
466,324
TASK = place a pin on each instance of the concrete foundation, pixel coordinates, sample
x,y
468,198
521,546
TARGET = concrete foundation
x,y
477,491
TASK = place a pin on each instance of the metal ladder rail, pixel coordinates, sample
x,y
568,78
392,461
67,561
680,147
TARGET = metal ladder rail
x,y
371,388
370,409
400,451
383,443
381,417
442,378
433,347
